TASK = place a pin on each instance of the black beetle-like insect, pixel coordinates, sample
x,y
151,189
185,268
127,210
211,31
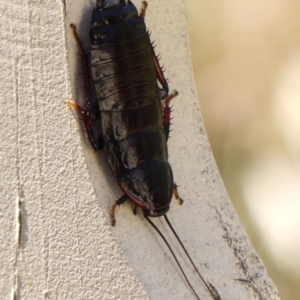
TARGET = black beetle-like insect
x,y
123,75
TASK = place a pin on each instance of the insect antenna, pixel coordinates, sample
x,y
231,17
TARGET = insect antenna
x,y
190,259
173,254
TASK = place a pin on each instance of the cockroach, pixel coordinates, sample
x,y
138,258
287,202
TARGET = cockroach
x,y
124,88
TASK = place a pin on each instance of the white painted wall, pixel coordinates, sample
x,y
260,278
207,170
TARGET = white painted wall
x,y
67,248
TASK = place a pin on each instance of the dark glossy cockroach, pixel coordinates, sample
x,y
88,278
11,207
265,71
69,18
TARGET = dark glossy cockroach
x,y
123,75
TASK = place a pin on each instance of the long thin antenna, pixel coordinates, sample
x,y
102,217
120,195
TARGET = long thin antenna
x,y
168,245
187,254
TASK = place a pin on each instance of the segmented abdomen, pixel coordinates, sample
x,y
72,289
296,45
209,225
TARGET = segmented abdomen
x,y
126,88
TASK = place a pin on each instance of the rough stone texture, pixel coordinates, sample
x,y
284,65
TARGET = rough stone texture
x,y
56,241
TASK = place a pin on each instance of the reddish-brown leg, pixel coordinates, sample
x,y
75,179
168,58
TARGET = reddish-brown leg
x,y
85,68
159,71
89,112
143,9
167,113
180,201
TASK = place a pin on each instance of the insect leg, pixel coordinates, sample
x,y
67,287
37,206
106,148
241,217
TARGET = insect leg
x,y
175,191
85,67
143,9
167,113
159,70
160,73
120,201
97,143
91,112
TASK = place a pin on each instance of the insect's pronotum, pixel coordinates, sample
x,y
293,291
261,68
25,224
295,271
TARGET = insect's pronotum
x,y
124,88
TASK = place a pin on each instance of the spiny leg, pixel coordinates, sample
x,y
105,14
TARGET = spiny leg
x,y
167,113
158,69
85,68
120,201
160,73
90,112
162,80
175,191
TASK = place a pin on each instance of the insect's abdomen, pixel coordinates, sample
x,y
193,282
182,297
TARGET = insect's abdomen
x,y
126,89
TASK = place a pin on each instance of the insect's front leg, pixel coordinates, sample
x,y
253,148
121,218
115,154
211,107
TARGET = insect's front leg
x,y
90,112
120,201
175,191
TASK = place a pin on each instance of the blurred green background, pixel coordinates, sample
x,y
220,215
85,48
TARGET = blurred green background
x,y
246,58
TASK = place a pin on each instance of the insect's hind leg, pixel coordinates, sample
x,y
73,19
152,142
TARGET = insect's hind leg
x,y
96,142
143,9
158,69
120,201
167,113
90,112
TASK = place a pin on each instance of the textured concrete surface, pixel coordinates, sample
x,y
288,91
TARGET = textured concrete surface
x,y
56,241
